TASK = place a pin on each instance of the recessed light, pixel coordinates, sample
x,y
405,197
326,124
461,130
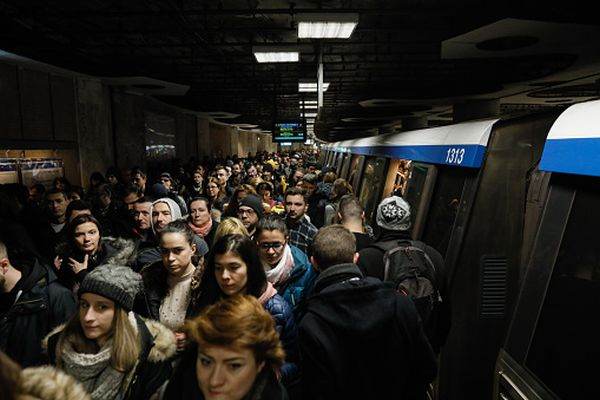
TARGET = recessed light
x,y
311,86
275,54
326,26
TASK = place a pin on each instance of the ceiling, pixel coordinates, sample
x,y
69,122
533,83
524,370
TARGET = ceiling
x,y
412,58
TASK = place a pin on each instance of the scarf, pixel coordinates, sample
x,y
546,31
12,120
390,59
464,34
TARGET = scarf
x,y
94,371
269,292
203,230
282,271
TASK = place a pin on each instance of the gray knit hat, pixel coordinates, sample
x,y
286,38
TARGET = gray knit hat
x,y
393,214
115,282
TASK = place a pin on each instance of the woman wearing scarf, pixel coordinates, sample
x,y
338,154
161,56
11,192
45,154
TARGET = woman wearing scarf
x,y
200,220
111,351
234,268
286,266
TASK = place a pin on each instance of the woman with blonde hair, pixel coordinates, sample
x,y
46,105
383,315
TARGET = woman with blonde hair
x,y
230,226
112,352
235,354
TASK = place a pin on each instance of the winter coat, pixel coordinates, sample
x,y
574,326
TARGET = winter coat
x,y
153,369
49,383
285,324
371,264
115,251
184,383
359,339
42,305
300,282
154,277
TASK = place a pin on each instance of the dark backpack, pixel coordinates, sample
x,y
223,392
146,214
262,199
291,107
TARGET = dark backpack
x,y
412,273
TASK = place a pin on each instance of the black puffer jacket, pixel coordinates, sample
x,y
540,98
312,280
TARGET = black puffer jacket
x,y
184,383
41,304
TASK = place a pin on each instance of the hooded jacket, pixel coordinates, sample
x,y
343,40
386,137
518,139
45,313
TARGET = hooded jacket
x,y
173,207
153,368
301,279
41,304
361,340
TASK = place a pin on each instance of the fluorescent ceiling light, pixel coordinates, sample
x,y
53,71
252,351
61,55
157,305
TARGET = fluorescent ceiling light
x,y
310,106
326,26
309,102
311,86
310,115
275,54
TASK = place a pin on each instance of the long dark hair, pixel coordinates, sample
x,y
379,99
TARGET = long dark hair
x,y
246,249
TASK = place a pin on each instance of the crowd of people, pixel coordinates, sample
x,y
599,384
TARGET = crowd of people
x,y
254,278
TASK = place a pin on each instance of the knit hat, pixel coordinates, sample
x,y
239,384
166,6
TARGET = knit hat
x,y
173,207
166,175
254,203
393,214
115,282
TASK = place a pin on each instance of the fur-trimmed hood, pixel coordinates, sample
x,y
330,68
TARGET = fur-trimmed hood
x,y
165,345
49,383
119,251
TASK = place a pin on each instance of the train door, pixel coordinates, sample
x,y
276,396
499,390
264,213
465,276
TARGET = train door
x,y
372,183
356,168
415,182
339,162
553,342
345,166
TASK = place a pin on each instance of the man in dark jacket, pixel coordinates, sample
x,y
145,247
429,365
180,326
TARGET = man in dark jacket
x,y
359,339
32,303
393,219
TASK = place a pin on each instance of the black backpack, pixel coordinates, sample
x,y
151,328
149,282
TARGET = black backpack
x,y
409,269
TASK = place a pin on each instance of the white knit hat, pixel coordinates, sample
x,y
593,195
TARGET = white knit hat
x,y
393,214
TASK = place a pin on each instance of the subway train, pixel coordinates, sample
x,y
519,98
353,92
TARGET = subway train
x,y
479,197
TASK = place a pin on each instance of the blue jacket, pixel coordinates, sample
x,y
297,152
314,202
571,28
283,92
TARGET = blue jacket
x,y
301,280
285,324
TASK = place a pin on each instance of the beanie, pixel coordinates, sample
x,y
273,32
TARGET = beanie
x,y
254,203
115,282
393,214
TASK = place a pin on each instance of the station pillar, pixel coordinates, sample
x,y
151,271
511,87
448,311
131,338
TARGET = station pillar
x,y
476,109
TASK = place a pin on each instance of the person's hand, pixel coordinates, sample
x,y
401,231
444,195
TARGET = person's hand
x,y
181,339
57,262
77,266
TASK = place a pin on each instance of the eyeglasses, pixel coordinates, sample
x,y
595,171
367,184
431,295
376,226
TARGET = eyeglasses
x,y
248,211
274,245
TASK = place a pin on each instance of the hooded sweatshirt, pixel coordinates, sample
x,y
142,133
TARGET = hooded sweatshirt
x,y
175,210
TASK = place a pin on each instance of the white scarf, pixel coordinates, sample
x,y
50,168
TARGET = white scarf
x,y
282,271
94,371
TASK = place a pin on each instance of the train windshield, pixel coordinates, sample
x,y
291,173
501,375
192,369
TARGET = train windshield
x,y
372,184
566,343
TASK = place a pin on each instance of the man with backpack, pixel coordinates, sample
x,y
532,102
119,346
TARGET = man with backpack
x,y
411,267
359,338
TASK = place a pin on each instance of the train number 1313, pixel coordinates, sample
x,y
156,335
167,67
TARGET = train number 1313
x,y
455,155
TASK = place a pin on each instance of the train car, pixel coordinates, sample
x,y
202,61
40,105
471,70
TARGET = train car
x,y
552,347
467,185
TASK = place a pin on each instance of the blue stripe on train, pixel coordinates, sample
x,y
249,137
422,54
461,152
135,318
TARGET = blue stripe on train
x,y
469,156
579,156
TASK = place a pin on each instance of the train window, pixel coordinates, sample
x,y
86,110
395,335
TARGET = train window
x,y
417,192
566,342
372,184
445,202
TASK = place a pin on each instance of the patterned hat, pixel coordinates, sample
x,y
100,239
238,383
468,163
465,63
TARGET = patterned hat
x,y
393,214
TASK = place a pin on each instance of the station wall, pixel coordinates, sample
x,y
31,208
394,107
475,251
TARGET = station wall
x,y
94,126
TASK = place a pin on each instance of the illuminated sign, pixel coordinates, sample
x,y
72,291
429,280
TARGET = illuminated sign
x,y
289,132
